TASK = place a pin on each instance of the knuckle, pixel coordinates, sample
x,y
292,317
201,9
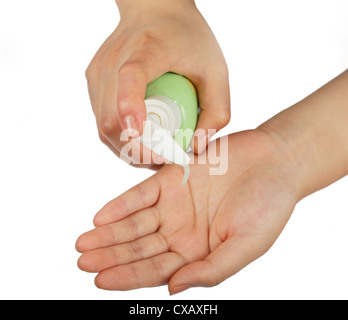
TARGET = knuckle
x,y
161,238
124,101
88,73
107,127
221,69
147,37
157,267
134,226
223,116
137,250
91,70
110,59
130,68
103,139
224,71
212,279
143,196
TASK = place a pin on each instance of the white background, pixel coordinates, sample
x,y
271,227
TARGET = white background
x,y
55,174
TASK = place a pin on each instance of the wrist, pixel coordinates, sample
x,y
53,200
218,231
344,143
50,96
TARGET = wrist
x,y
312,150
126,6
293,149
313,133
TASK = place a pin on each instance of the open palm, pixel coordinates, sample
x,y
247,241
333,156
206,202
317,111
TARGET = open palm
x,y
198,234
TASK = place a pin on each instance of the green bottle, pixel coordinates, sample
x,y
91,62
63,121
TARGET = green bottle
x,y
171,100
172,112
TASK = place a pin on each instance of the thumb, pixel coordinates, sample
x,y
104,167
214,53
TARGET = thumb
x,y
133,77
214,100
226,260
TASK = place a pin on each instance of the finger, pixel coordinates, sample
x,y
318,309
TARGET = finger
x,y
226,260
137,154
103,73
104,140
214,100
133,227
140,157
151,272
133,77
91,93
140,249
106,114
95,86
137,198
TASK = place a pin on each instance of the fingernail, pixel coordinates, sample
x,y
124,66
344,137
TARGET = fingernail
x,y
159,160
180,288
131,126
202,143
130,122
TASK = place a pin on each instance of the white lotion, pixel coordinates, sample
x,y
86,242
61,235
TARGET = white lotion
x,y
186,175
163,118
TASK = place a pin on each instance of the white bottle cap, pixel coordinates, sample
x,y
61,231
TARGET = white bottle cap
x,y
165,111
163,118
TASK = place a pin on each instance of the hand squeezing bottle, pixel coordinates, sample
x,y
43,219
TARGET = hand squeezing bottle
x,y
172,112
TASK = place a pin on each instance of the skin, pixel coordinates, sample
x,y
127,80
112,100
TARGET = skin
x,y
145,242
161,232
152,38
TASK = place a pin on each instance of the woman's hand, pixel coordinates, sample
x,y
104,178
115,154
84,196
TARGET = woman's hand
x,y
154,37
194,235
